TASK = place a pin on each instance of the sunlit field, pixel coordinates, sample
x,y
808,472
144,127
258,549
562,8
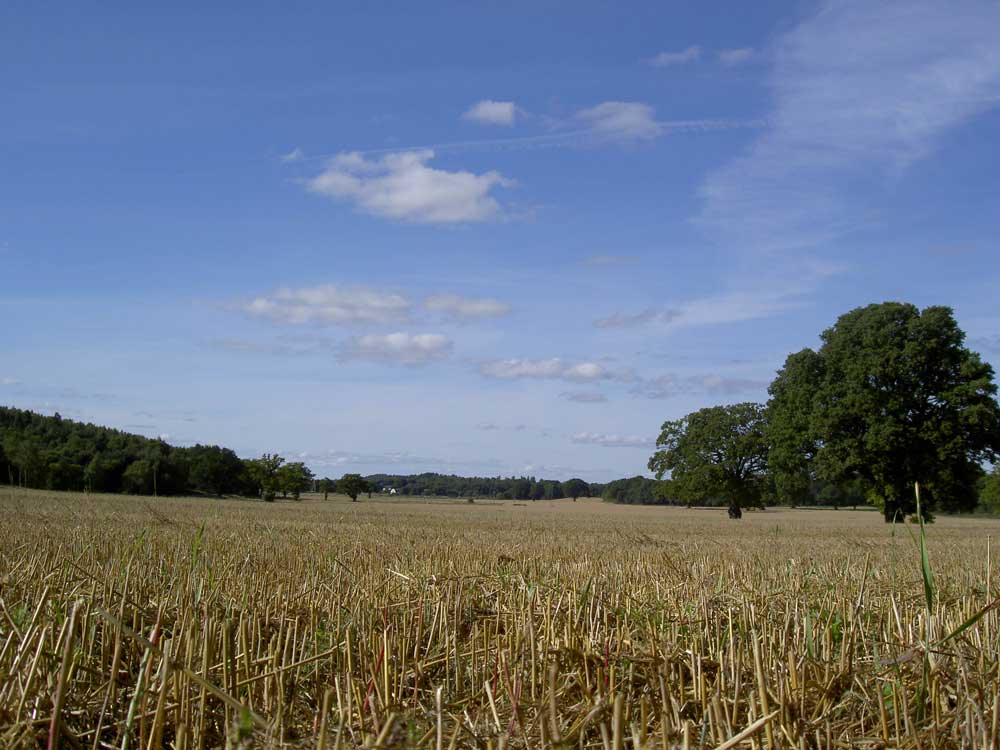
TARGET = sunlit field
x,y
133,622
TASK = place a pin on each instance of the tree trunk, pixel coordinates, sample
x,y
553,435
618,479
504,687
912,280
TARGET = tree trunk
x,y
735,512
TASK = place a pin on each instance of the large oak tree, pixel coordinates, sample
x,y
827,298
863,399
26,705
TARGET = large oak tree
x,y
713,453
891,398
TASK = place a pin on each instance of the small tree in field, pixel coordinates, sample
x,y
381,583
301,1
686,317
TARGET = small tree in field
x,y
326,486
713,452
264,473
353,485
575,488
294,478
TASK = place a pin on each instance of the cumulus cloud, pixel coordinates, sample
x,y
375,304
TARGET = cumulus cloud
x,y
402,186
296,154
626,120
612,441
464,308
329,304
549,369
735,56
398,348
584,397
666,59
490,112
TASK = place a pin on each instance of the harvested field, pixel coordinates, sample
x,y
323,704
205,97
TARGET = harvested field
x,y
191,623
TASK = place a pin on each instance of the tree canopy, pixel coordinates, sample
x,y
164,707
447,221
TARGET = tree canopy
x,y
353,485
891,398
264,473
294,478
575,488
713,452
636,490
990,492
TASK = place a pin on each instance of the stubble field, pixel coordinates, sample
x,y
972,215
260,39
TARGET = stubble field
x,y
191,623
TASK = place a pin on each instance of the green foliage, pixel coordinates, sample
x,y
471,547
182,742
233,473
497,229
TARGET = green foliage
x,y
263,473
326,486
792,447
216,470
294,478
575,488
353,485
717,451
891,398
989,495
450,485
637,491
137,479
60,454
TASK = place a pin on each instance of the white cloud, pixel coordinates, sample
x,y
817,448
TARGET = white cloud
x,y
780,293
628,120
398,348
666,59
777,293
668,386
853,104
401,186
631,320
735,56
612,441
328,304
296,154
584,397
9,381
550,369
459,307
489,112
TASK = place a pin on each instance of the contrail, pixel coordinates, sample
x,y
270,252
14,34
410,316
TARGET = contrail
x,y
549,139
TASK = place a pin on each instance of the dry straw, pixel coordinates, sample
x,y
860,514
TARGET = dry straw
x,y
204,624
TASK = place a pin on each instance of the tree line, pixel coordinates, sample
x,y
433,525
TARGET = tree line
x,y
53,453
506,488
891,401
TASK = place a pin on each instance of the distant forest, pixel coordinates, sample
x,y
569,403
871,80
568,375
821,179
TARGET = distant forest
x,y
53,453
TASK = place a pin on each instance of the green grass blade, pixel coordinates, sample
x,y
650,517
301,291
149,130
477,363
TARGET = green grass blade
x,y
971,621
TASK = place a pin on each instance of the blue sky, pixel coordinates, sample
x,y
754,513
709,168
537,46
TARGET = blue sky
x,y
478,238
